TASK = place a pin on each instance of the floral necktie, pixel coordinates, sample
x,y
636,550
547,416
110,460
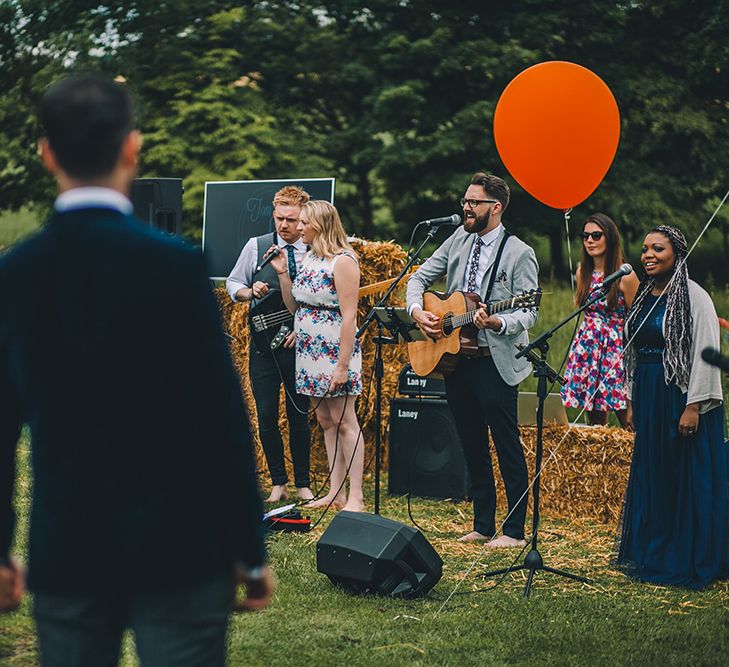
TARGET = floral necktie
x,y
475,257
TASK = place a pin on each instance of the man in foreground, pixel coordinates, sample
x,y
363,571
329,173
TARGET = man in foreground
x,y
145,506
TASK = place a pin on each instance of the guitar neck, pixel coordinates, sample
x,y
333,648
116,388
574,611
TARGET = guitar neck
x,y
492,308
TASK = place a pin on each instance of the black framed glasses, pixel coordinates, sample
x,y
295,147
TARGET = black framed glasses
x,y
473,203
596,236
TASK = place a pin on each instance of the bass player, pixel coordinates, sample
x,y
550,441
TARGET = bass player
x,y
269,368
482,391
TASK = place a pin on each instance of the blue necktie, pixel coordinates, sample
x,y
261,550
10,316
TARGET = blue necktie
x,y
292,261
471,286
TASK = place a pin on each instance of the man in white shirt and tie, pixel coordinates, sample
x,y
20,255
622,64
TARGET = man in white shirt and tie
x,y
483,390
268,369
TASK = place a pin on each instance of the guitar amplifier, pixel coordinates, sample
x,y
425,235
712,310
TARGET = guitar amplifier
x,y
410,384
426,456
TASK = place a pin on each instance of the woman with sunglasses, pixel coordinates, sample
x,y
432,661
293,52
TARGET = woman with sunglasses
x,y
594,372
675,524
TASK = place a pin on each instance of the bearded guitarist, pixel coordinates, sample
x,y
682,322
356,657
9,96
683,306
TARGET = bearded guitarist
x,y
482,390
268,368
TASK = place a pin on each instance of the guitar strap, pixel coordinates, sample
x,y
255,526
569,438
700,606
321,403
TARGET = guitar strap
x,y
495,267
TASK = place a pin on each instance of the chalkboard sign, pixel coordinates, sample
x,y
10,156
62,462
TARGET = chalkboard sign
x,y
234,211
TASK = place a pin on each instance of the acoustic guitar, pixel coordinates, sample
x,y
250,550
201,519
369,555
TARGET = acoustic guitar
x,y
460,335
269,315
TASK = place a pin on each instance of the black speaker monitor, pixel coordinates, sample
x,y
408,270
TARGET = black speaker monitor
x,y
158,202
426,456
366,553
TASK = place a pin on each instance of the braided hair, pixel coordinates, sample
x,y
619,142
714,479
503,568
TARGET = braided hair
x,y
678,321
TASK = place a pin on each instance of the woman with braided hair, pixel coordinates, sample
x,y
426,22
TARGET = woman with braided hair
x,y
675,527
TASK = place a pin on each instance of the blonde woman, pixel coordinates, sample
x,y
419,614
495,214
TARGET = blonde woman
x,y
323,298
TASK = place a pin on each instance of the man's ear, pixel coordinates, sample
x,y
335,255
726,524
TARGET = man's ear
x,y
47,156
130,148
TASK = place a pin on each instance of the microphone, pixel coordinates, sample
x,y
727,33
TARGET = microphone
x,y
624,270
454,219
267,258
712,356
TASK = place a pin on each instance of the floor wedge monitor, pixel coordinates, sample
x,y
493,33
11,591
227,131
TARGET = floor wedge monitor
x,y
368,554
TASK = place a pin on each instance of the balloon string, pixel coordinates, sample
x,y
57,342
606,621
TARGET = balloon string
x,y
567,213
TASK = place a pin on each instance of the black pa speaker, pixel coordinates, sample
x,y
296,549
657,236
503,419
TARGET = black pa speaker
x,y
426,457
158,202
366,553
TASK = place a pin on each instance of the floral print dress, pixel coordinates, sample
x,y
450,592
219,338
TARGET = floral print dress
x,y
595,375
318,325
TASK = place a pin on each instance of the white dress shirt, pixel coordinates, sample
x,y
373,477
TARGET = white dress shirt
x,y
242,274
93,197
489,243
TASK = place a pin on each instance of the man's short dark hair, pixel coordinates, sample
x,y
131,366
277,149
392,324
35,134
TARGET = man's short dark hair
x,y
493,186
85,119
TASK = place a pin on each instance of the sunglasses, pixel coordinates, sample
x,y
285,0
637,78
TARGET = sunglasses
x,y
596,236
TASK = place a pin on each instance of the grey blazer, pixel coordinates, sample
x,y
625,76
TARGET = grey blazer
x,y
517,272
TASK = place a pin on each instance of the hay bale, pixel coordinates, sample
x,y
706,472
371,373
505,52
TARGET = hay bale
x,y
584,471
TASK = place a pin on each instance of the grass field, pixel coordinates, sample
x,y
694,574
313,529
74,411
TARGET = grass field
x,y
610,621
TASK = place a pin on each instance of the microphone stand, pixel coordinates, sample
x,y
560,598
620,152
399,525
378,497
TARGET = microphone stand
x,y
381,340
543,372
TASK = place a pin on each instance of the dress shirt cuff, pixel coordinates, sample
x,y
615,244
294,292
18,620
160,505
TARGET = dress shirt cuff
x,y
253,573
501,331
412,307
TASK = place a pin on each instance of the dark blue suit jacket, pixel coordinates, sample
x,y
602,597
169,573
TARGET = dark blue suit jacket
x,y
111,351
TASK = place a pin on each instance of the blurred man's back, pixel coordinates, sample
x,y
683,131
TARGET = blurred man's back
x,y
145,501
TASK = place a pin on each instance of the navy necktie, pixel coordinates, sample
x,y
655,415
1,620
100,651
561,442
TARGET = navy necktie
x,y
292,261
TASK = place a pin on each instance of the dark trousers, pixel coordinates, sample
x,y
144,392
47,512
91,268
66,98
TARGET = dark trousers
x,y
481,401
266,384
181,628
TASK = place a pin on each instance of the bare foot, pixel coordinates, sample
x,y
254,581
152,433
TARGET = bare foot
x,y
325,502
474,536
354,506
505,542
278,493
304,492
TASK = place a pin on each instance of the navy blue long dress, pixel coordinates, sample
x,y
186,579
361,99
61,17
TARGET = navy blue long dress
x,y
675,521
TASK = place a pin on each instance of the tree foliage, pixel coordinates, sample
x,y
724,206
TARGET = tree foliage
x,y
395,99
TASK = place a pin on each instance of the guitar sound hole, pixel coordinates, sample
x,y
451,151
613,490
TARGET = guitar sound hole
x,y
447,325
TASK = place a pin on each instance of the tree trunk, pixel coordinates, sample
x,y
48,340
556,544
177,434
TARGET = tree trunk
x,y
365,198
556,253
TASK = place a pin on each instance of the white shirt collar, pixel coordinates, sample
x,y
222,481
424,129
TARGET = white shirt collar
x,y
489,237
298,244
93,197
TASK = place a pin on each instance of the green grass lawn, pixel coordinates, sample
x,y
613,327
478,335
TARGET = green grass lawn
x,y
610,621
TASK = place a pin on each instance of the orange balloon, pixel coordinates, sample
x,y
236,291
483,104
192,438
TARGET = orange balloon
x,y
557,128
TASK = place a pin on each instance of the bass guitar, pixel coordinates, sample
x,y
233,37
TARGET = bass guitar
x,y
269,315
456,312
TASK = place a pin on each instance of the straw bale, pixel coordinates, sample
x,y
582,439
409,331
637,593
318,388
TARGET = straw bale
x,y
584,471
585,477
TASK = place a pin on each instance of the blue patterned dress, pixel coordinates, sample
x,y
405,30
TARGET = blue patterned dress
x,y
318,326
594,372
